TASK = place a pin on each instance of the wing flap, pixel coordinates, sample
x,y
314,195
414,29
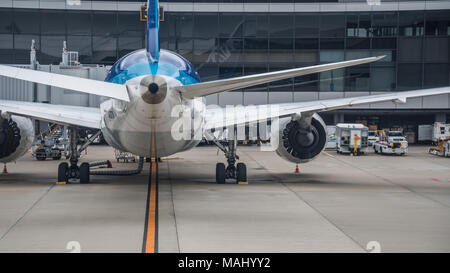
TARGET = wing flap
x,y
107,89
61,114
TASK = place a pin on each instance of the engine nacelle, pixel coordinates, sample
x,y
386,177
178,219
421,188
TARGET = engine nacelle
x,y
16,137
299,145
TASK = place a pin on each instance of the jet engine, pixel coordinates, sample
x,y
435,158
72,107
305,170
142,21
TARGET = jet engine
x,y
300,142
16,137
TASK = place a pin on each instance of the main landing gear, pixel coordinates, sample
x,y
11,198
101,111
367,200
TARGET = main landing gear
x,y
232,171
73,171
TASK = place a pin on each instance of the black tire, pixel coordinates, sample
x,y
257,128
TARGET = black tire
x,y
84,173
241,172
58,157
220,173
40,155
63,172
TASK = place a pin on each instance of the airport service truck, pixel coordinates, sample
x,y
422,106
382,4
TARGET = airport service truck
x,y
441,137
351,138
372,138
391,142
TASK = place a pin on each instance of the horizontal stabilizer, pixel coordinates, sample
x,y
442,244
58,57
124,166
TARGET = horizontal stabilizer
x,y
62,114
101,88
212,87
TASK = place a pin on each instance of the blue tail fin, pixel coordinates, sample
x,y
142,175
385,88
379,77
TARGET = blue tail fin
x,y
153,29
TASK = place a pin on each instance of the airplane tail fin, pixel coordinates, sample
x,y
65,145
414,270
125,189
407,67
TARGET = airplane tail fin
x,y
153,29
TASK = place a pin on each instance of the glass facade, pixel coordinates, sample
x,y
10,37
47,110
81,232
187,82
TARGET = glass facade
x,y
221,45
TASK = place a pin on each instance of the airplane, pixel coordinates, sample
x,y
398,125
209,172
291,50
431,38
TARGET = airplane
x,y
143,87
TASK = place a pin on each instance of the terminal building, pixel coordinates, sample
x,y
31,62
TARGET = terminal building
x,y
229,38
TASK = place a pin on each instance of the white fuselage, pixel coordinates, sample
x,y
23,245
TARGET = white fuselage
x,y
146,129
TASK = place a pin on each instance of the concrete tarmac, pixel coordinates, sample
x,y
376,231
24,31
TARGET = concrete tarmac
x,y
337,203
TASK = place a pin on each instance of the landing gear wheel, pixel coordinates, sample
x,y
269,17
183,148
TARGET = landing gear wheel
x,y
63,172
220,173
241,173
84,173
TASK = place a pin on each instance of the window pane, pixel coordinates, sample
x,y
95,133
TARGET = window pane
x,y
184,47
306,25
26,21
255,50
208,72
53,22
356,54
232,48
79,23
357,78
384,43
303,43
104,50
358,43
364,26
231,25
281,50
129,44
306,50
409,76
411,23
179,24
51,49
352,25
332,80
281,25
230,71
437,23
206,25
82,44
330,43
332,25
130,24
384,24
437,50
256,25
382,78
6,49
306,56
104,23
330,56
436,75
6,21
22,44
409,50
205,51
358,25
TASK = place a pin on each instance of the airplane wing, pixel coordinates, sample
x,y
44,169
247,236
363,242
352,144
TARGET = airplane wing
x,y
212,87
218,118
61,114
101,88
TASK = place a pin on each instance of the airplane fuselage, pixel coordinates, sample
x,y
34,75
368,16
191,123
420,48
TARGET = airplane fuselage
x,y
144,125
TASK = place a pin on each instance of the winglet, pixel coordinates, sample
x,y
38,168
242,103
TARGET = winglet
x,y
153,29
